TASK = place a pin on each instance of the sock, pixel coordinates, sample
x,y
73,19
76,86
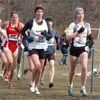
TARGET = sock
x,y
82,87
70,86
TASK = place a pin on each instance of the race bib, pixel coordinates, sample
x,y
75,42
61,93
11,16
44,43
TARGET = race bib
x,y
13,37
40,40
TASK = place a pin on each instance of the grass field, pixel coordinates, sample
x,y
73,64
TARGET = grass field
x,y
59,91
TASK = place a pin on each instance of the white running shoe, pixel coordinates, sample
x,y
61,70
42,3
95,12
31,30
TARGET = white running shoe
x,y
32,89
18,76
37,90
32,86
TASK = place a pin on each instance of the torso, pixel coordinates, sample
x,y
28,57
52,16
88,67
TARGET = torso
x,y
12,35
39,42
80,42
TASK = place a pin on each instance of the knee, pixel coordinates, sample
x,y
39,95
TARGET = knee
x,y
31,69
84,68
72,73
38,67
11,65
5,62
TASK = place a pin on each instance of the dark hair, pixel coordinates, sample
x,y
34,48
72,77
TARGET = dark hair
x,y
38,7
49,18
11,14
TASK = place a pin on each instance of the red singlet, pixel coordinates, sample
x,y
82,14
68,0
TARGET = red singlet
x,y
13,35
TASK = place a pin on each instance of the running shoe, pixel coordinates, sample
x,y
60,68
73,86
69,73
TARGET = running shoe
x,y
32,86
70,91
10,85
51,85
42,82
37,90
83,92
18,76
6,78
32,89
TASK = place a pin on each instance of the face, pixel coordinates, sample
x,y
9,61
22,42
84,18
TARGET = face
x,y
80,16
39,13
50,23
14,17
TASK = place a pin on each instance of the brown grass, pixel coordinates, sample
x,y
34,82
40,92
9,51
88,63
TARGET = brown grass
x,y
59,91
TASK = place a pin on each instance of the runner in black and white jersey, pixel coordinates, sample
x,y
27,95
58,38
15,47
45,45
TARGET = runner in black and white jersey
x,y
78,31
39,34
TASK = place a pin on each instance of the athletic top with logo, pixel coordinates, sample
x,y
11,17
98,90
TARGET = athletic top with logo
x,y
35,30
74,27
12,37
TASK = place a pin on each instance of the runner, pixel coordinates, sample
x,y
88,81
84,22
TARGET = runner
x,y
23,49
50,52
12,44
39,32
3,37
78,32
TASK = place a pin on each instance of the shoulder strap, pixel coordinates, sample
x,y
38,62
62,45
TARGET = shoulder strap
x,y
75,27
74,30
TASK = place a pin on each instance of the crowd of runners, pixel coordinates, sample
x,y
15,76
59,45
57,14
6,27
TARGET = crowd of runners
x,y
40,40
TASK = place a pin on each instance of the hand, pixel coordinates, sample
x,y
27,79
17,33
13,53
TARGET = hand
x,y
81,30
30,39
90,41
64,43
45,34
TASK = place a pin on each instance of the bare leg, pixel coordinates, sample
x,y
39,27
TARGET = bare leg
x,y
84,61
52,70
73,62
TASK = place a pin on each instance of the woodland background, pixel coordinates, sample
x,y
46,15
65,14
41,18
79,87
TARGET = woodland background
x,y
60,10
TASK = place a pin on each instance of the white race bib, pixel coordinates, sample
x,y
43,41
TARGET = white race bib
x,y
13,37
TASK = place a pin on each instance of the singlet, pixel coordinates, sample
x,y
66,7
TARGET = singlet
x,y
13,37
39,41
74,27
51,43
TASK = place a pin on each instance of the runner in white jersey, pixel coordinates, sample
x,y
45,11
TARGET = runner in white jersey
x,y
78,31
39,32
3,37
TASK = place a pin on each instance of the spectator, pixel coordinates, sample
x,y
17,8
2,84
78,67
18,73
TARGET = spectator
x,y
64,44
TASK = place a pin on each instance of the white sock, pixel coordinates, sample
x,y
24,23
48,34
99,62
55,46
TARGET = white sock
x,y
70,85
82,87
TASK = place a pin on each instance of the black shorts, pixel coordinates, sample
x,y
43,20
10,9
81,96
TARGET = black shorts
x,y
76,51
40,52
50,56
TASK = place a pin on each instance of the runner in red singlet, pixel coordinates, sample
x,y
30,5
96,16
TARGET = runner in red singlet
x,y
12,44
